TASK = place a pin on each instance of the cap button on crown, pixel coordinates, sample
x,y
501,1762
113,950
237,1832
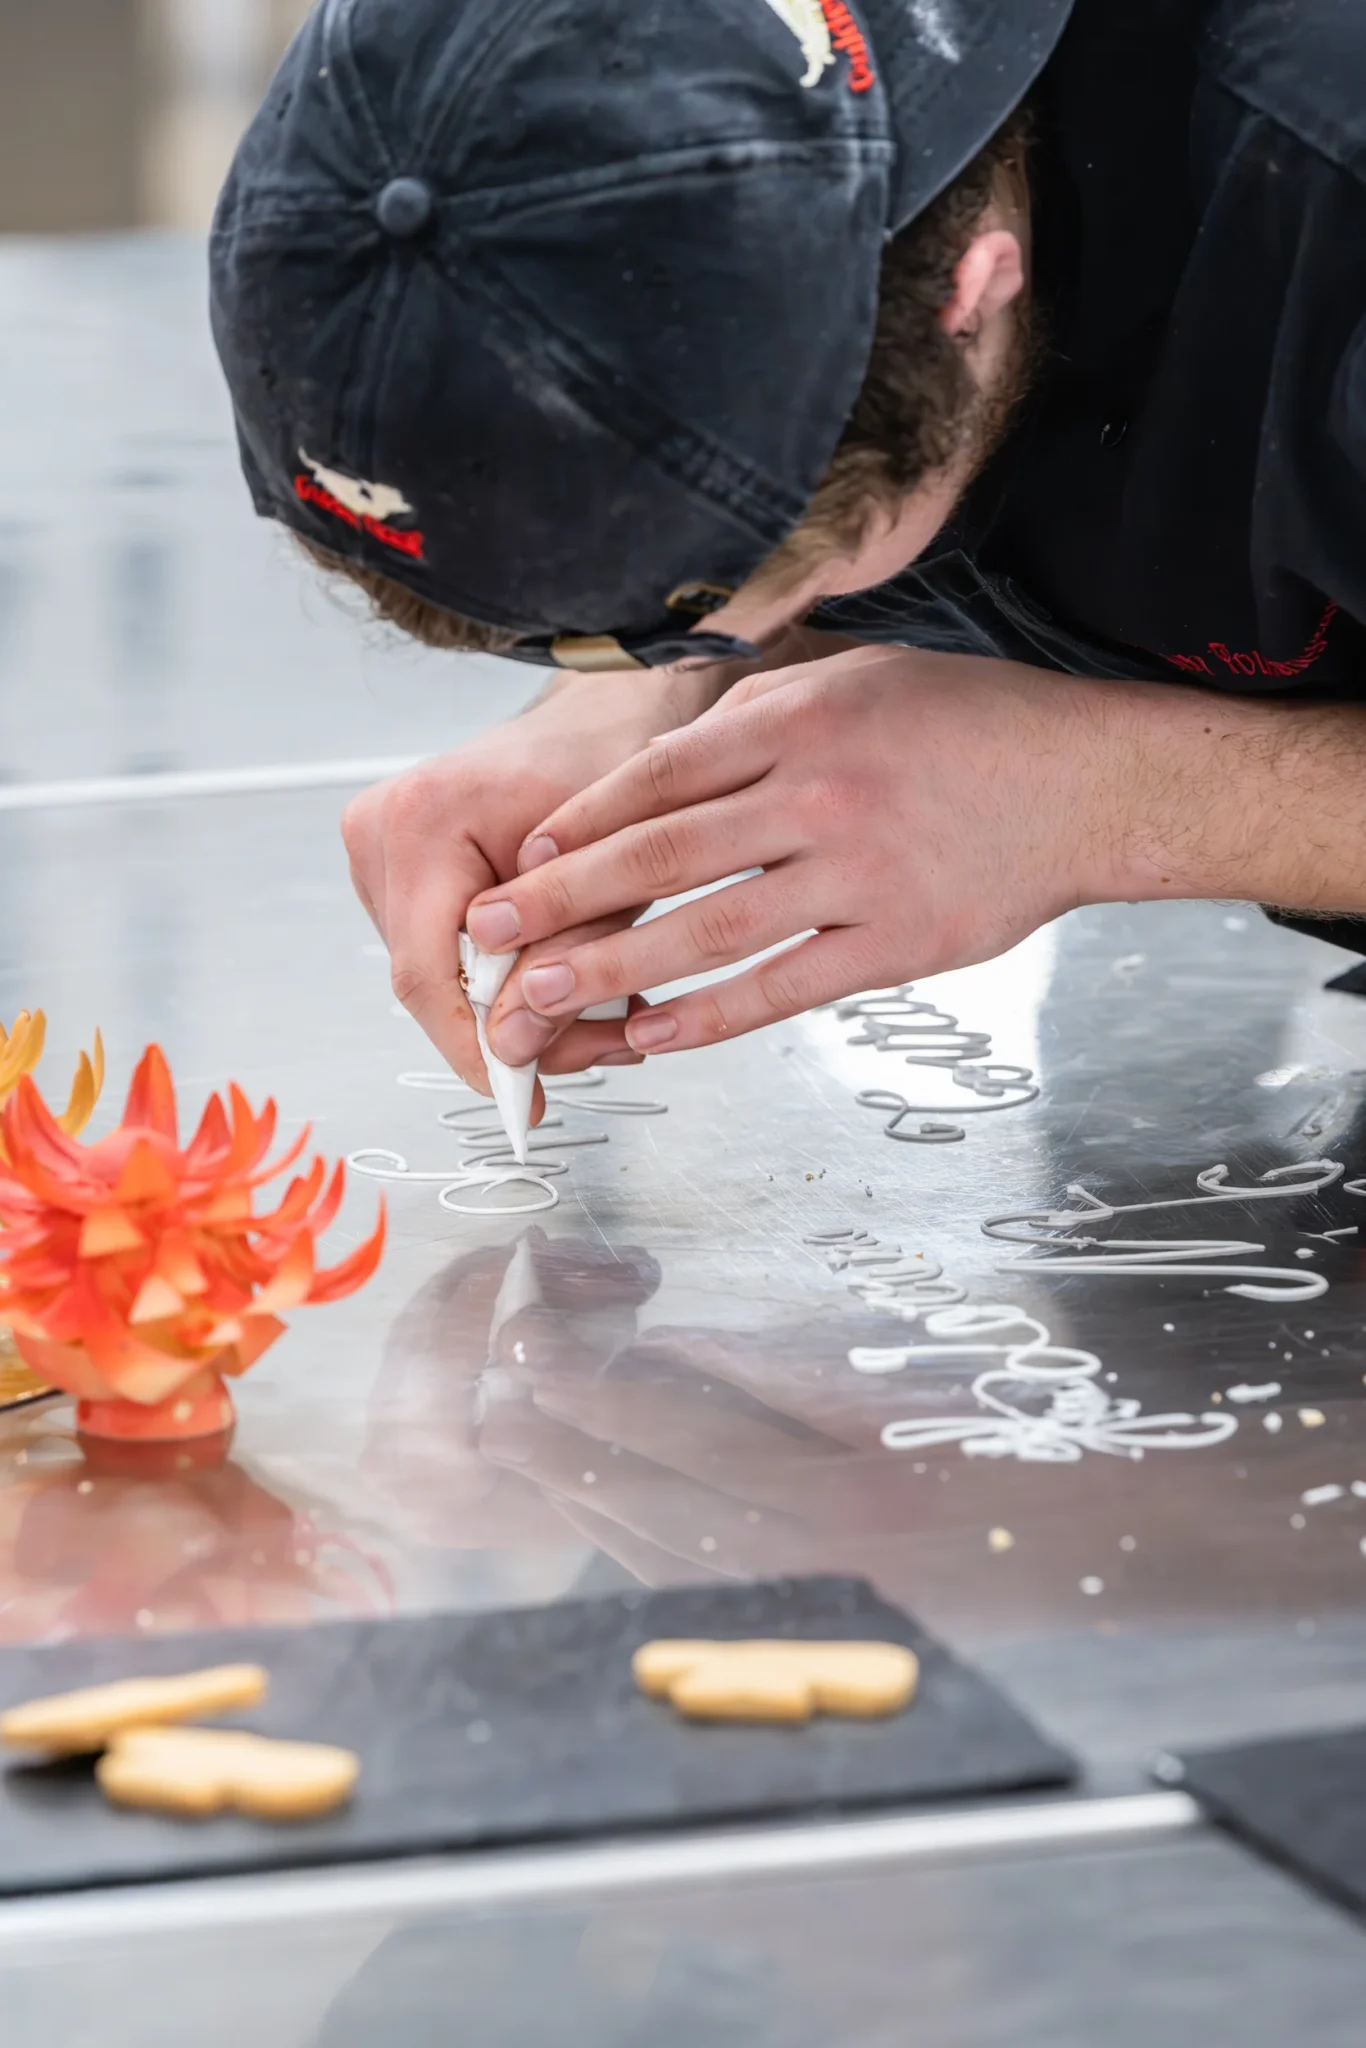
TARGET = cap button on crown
x,y
404,207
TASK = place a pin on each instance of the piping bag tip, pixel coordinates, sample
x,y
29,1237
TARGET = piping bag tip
x,y
514,1088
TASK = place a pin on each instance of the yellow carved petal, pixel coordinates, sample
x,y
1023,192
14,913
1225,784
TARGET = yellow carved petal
x,y
23,1050
85,1092
20,1051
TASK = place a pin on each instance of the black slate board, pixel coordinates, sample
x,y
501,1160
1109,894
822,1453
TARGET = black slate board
x,y
513,1727
1300,1799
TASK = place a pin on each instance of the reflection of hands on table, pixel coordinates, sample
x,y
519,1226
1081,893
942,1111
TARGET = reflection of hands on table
x,y
450,1359
707,1448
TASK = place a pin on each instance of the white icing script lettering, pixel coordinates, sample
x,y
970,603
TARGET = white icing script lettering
x,y
487,1163
926,1036
1055,1235
1040,1403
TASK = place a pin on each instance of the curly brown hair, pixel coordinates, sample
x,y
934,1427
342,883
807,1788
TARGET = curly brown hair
x,y
918,410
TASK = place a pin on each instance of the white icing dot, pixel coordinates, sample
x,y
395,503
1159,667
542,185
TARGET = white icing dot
x,y
144,1617
1297,1521
1092,1586
590,1478
1271,1422
1128,1543
708,1543
85,1486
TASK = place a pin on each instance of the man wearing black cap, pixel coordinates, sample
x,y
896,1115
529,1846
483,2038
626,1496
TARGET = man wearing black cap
x,y
697,348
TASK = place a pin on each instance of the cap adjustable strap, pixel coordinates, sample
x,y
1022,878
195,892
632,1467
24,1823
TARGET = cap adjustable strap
x,y
591,651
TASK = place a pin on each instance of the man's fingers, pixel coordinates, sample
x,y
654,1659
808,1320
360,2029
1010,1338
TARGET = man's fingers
x,y
700,844
717,930
821,969
517,1034
591,1045
719,753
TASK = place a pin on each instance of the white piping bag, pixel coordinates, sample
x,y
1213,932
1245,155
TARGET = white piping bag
x,y
513,1088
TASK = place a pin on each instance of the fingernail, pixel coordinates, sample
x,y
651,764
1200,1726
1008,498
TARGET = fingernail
x,y
617,1059
494,926
519,1038
644,1034
544,987
537,852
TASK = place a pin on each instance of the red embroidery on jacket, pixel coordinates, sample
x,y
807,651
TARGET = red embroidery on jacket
x,y
1255,663
846,35
406,540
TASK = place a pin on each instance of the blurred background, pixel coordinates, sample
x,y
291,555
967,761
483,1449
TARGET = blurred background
x,y
124,113
149,622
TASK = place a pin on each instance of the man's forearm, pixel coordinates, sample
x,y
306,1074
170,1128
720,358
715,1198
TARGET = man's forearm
x,y
1233,797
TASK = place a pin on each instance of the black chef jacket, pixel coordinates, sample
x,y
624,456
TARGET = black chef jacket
x,y
1184,496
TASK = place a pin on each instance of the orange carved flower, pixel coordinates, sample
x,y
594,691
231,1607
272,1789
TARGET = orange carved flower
x,y
130,1265
20,1051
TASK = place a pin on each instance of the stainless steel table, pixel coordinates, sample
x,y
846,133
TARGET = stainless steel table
x,y
653,1382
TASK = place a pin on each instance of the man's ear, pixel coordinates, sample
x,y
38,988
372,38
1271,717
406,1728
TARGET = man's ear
x,y
988,277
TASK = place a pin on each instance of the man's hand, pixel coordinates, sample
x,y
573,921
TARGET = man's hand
x,y
422,843
914,812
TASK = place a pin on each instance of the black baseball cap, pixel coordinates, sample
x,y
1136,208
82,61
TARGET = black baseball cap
x,y
554,310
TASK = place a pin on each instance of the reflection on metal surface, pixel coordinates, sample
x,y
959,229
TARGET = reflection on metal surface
x,y
497,1877
1046,1229
892,1022
91,1548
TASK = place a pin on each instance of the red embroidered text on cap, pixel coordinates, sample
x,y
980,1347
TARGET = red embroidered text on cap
x,y
370,508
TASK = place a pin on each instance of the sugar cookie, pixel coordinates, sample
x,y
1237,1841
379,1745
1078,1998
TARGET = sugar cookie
x,y
199,1771
72,1722
776,1681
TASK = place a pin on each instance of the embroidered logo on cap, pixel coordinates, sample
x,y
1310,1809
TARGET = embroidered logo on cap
x,y
368,507
822,27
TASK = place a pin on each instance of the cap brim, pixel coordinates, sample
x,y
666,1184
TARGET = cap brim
x,y
952,72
